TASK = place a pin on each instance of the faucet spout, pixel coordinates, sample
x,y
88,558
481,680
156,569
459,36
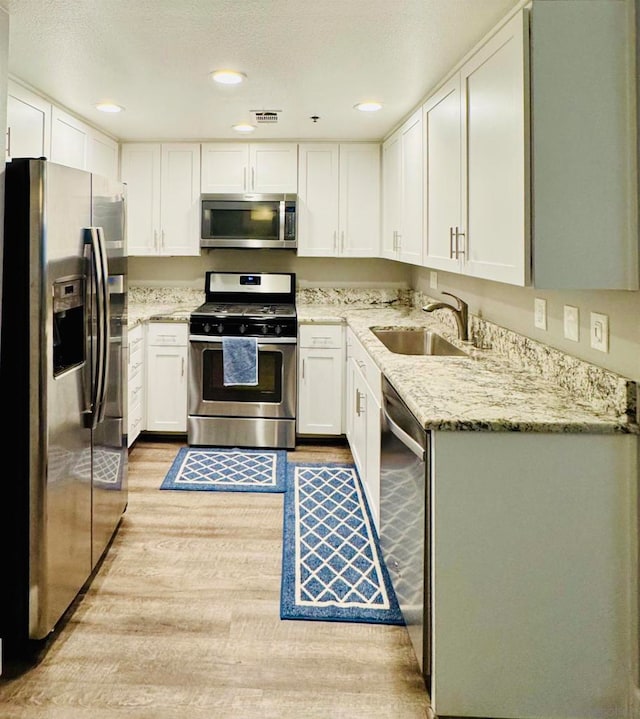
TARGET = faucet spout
x,y
460,312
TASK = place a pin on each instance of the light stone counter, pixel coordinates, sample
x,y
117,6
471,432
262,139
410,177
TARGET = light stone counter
x,y
516,384
489,390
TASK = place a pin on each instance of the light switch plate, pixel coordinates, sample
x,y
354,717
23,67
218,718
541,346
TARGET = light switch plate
x,y
599,332
540,313
571,323
433,280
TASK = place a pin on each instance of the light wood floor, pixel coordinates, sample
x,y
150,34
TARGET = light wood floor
x,y
182,622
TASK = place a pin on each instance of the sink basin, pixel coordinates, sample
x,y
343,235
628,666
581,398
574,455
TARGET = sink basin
x,y
417,341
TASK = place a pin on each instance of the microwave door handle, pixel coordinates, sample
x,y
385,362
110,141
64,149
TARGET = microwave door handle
x,y
281,234
105,322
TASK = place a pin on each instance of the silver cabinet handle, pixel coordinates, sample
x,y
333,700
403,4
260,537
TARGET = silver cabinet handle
x,y
253,178
182,370
342,241
162,240
451,243
335,240
302,369
244,179
458,250
9,141
155,240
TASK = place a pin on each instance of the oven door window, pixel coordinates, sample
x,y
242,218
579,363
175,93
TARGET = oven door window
x,y
268,389
229,220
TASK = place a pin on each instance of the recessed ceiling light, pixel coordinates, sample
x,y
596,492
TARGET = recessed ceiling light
x,y
109,107
368,106
228,77
244,127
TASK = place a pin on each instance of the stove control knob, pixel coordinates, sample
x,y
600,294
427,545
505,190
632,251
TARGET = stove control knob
x,y
206,328
265,329
220,328
243,329
278,330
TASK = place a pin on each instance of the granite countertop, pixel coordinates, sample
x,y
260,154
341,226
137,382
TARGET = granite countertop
x,y
488,390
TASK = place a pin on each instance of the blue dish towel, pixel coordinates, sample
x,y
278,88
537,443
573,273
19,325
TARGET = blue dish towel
x,y
240,360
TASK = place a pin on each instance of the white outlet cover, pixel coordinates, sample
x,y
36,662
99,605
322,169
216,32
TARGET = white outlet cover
x,y
433,280
571,323
599,332
540,313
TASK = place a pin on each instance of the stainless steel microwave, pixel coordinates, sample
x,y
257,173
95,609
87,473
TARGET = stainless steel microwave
x,y
248,221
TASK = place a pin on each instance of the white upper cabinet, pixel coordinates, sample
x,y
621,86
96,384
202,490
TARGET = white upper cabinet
x,y
28,123
476,138
249,167
534,132
442,184
102,155
163,197
495,195
69,140
403,192
339,200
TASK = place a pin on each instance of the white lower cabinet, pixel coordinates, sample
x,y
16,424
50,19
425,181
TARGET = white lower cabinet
x,y
532,574
362,415
136,383
321,379
167,348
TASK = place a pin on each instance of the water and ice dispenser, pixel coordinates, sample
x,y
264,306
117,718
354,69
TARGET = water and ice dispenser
x,y
68,324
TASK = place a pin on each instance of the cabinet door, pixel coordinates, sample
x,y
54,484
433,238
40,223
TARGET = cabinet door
x,y
494,96
410,237
28,123
318,200
320,391
441,120
356,407
69,140
102,154
141,173
391,194
273,167
167,389
180,193
225,167
359,200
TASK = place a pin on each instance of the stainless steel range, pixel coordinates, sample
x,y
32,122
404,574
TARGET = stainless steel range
x,y
259,306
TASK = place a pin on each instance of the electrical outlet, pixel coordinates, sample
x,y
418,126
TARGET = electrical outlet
x,y
571,323
433,280
599,332
540,313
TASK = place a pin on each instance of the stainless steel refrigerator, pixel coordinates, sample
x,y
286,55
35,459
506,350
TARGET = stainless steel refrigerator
x,y
63,489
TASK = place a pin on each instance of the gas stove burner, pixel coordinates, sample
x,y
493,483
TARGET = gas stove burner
x,y
257,305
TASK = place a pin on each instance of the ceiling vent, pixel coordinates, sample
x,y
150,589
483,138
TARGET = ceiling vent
x,y
265,117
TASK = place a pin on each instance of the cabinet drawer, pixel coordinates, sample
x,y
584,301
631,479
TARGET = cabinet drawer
x,y
167,334
321,336
135,393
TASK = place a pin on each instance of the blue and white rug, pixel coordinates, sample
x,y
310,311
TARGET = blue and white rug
x,y
227,470
332,567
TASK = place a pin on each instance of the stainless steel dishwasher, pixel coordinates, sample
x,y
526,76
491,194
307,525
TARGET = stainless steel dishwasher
x,y
405,518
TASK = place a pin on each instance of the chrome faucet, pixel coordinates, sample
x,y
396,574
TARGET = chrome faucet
x,y
461,313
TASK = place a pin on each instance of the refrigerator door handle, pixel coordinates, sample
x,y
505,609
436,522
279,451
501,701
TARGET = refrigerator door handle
x,y
104,314
94,251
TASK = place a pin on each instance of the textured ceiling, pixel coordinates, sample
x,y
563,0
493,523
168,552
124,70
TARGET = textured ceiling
x,y
303,57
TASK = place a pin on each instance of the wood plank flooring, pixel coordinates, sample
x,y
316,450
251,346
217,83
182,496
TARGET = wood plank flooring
x,y
182,622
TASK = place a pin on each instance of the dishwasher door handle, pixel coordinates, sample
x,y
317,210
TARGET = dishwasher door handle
x,y
408,441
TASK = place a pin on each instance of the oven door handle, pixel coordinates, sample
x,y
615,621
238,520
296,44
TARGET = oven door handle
x,y
261,340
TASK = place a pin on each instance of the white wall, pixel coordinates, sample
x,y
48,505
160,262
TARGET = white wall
x,y
512,307
310,271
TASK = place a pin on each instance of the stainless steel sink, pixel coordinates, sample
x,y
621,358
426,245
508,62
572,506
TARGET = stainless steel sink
x,y
417,341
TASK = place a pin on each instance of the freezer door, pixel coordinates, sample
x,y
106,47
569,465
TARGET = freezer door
x,y
60,542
